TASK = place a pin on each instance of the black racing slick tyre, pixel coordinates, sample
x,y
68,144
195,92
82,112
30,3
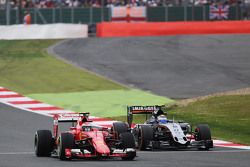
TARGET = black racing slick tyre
x,y
43,144
203,133
144,137
127,140
130,156
66,141
119,127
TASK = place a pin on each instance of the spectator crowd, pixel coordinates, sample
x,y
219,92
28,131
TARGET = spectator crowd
x,y
111,3
83,3
243,4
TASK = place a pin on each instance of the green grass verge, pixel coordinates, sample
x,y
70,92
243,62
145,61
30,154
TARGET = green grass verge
x,y
227,116
26,67
107,103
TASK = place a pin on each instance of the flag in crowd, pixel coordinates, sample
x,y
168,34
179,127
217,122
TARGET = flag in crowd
x,y
219,12
128,14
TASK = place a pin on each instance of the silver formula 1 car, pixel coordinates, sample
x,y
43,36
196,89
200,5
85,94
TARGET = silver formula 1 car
x,y
158,132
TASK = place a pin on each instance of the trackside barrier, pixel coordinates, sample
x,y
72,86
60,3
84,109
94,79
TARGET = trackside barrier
x,y
171,28
49,31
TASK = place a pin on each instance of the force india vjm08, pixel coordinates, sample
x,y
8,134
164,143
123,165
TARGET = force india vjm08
x,y
85,139
159,132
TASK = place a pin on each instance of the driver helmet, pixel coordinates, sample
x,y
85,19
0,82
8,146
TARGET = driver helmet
x,y
152,120
162,119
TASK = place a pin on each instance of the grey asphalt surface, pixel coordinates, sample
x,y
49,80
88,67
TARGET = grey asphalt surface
x,y
173,66
17,128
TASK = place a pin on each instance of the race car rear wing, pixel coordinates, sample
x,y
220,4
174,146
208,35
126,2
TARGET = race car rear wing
x,y
153,110
68,117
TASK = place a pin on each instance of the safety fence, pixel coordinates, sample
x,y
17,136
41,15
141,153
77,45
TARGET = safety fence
x,y
94,15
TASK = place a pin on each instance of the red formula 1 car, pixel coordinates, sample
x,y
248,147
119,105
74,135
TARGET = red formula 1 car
x,y
85,139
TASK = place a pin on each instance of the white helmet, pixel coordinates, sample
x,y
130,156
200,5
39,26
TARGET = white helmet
x,y
162,119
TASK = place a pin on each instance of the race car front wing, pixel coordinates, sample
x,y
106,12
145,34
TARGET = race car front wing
x,y
78,153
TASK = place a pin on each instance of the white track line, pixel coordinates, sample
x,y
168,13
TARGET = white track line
x,y
148,152
15,106
34,105
16,153
16,99
237,147
192,151
221,142
42,113
49,112
8,93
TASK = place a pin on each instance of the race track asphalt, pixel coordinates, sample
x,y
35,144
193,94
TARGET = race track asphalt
x,y
172,66
17,128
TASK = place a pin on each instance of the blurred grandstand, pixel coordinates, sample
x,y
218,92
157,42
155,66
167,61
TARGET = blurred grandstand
x,y
111,3
94,11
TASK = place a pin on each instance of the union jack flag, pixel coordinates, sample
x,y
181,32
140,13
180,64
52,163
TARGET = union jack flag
x,y
219,12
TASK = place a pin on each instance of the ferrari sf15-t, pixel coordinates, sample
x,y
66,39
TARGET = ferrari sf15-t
x,y
85,139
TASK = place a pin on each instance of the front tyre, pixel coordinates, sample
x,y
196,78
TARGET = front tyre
x,y
127,140
43,143
203,134
130,156
66,141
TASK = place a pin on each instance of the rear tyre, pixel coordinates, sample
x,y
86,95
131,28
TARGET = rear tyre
x,y
203,133
119,128
43,143
144,137
66,141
